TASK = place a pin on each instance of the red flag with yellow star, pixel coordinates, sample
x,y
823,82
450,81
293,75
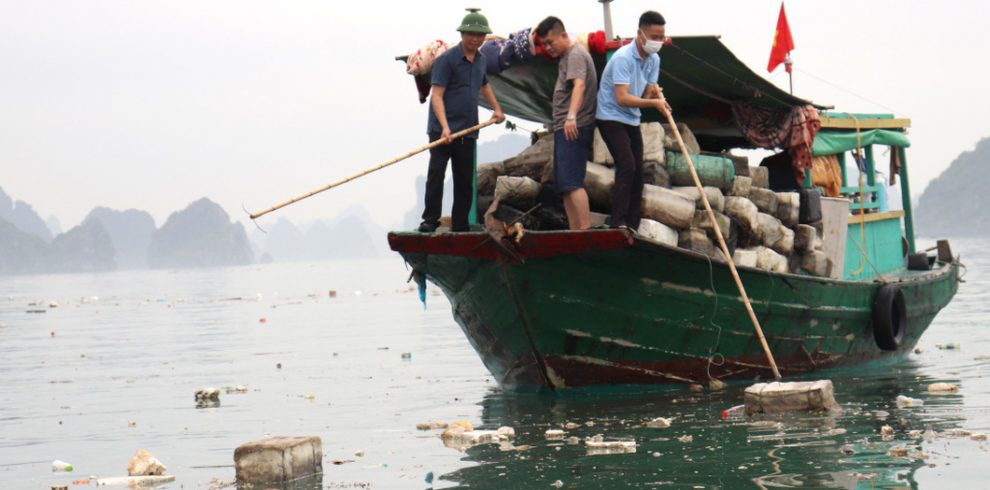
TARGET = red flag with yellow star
x,y
782,42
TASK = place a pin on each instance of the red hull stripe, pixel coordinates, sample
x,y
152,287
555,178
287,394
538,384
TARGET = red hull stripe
x,y
534,245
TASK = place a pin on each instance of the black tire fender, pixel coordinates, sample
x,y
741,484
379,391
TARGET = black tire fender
x,y
889,317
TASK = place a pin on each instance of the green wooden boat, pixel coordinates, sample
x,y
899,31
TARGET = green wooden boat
x,y
603,308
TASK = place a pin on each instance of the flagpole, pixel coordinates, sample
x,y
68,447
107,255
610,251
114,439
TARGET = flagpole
x,y
788,63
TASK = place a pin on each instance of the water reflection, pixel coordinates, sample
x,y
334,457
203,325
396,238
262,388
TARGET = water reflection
x,y
701,450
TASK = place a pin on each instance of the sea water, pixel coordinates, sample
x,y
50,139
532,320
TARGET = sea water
x,y
347,352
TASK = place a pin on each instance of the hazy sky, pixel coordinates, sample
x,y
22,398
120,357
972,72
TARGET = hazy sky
x,y
153,104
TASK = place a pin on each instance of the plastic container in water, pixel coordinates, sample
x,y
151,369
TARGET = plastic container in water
x,y
59,465
949,346
906,401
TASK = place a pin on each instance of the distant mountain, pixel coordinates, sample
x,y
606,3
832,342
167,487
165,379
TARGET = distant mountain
x,y
414,216
284,242
130,232
54,225
352,235
23,216
20,252
955,203
201,235
85,248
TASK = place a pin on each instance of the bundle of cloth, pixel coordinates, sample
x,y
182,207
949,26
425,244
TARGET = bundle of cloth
x,y
501,53
793,129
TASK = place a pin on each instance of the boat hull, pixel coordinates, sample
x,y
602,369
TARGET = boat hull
x,y
563,310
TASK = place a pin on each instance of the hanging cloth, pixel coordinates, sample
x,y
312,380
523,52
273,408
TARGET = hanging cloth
x,y
825,173
793,129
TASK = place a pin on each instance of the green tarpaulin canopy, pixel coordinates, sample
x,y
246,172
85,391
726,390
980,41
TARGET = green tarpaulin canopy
x,y
700,76
829,142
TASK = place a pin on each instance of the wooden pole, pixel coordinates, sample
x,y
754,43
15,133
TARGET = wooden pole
x,y
372,169
721,243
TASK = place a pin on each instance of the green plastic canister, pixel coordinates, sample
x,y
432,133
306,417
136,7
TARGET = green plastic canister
x,y
713,170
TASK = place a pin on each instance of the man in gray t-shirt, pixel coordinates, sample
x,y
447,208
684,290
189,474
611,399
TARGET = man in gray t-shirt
x,y
574,98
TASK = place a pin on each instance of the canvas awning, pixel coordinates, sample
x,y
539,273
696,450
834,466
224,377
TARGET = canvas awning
x,y
701,79
831,142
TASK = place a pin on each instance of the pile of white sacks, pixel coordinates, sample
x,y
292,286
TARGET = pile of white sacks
x,y
761,226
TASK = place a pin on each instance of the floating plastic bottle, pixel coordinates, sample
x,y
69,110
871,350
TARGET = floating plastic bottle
x,y
59,465
906,401
949,346
736,412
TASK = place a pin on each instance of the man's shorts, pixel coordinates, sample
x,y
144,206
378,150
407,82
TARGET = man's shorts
x,y
570,159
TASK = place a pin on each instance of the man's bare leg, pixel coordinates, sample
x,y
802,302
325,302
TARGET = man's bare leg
x,y
577,209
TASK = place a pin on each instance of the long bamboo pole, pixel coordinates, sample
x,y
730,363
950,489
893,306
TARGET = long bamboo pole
x,y
721,243
373,169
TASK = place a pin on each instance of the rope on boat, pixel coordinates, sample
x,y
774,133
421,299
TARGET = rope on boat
x,y
858,156
713,351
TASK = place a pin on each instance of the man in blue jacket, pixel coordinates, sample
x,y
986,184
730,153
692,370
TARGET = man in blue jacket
x,y
628,84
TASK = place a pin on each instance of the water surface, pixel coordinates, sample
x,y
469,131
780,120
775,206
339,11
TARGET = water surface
x,y
114,367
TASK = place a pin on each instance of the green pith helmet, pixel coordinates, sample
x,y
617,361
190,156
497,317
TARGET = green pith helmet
x,y
474,23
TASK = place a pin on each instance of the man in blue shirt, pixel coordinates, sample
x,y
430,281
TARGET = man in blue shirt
x,y
458,77
629,83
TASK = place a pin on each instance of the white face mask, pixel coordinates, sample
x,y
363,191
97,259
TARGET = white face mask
x,y
651,46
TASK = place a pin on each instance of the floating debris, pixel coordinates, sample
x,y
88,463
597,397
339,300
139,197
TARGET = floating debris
x,y
407,355
432,425
979,436
144,464
573,441
554,434
461,435
359,453
780,397
898,452
686,439
949,346
571,426
557,484
207,397
597,445
507,446
136,481
941,388
59,465
659,423
887,433
906,401
716,385
735,412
